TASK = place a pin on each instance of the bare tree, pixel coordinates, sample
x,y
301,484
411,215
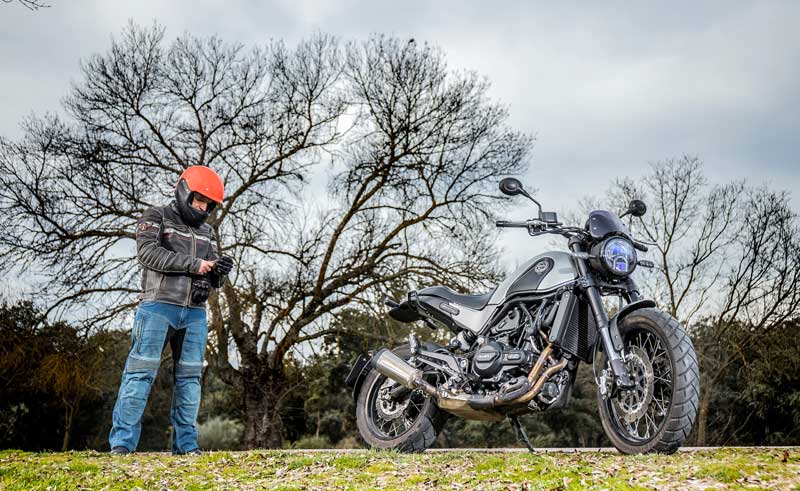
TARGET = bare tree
x,y
728,260
690,223
29,4
413,151
760,288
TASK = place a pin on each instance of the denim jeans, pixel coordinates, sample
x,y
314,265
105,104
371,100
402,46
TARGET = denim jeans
x,y
156,324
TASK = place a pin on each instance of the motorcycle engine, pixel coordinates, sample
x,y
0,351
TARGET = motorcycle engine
x,y
492,361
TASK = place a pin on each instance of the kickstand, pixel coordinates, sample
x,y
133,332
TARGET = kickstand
x,y
521,435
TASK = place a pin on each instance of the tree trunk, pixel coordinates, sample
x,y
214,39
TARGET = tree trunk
x,y
69,418
702,418
263,425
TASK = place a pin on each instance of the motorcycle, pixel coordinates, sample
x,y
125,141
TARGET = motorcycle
x,y
516,350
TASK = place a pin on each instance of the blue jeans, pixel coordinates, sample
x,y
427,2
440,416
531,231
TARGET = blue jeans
x,y
155,325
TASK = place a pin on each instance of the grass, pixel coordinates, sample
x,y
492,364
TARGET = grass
x,y
280,470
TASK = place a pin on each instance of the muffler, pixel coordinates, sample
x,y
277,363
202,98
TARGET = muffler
x,y
469,406
396,368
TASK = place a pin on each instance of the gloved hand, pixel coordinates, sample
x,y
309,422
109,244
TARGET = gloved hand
x,y
223,266
201,289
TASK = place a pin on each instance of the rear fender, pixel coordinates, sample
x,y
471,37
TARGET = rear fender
x,y
363,364
358,372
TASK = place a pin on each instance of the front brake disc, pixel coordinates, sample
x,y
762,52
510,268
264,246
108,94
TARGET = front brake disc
x,y
632,404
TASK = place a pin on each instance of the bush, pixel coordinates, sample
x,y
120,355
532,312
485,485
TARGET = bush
x,y
350,442
313,442
220,433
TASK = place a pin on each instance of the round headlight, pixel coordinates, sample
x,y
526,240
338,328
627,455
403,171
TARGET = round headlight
x,y
618,256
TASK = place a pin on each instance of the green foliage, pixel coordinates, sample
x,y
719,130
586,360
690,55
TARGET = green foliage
x,y
48,374
755,401
32,415
312,442
219,433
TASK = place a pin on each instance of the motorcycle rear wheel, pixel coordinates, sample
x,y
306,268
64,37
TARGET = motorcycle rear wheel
x,y
409,425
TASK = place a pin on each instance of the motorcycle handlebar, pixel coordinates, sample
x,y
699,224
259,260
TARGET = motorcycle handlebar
x,y
540,227
508,224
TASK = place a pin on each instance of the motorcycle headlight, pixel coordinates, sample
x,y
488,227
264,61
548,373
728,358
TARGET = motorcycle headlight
x,y
618,256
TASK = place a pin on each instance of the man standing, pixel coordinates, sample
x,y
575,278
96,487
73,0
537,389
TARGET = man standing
x,y
178,254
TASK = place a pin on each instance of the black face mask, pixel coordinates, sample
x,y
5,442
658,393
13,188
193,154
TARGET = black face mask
x,y
183,198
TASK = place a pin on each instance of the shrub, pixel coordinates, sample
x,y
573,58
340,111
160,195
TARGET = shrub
x,y
220,433
313,442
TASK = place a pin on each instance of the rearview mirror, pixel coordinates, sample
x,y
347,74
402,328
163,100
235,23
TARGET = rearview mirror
x,y
636,208
511,186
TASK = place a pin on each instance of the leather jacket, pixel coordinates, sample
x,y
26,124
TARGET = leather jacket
x,y
170,252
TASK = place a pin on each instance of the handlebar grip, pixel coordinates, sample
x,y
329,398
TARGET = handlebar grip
x,y
506,223
639,246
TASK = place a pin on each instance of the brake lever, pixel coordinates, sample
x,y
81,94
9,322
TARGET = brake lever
x,y
535,229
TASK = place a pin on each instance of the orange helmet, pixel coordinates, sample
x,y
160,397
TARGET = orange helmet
x,y
205,181
201,180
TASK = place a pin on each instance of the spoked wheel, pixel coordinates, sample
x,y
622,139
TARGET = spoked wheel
x,y
408,422
391,417
657,414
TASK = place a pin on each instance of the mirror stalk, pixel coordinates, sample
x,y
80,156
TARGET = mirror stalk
x,y
525,193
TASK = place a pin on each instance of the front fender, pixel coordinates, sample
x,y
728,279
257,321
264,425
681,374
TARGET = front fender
x,y
613,324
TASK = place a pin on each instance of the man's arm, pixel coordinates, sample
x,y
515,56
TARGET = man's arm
x,y
152,254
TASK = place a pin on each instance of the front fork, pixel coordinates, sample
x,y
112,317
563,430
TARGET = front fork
x,y
609,335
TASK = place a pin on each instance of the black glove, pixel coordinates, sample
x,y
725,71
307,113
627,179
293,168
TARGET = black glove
x,y
223,266
201,289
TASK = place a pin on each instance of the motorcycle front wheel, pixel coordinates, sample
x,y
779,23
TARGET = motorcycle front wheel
x,y
658,413
407,424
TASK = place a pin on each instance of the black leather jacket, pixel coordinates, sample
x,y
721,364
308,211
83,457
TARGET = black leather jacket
x,y
170,252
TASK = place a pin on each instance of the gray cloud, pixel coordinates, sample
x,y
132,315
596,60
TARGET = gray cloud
x,y
606,87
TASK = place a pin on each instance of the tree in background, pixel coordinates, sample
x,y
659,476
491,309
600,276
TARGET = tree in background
x,y
409,149
29,4
58,385
69,371
45,369
728,263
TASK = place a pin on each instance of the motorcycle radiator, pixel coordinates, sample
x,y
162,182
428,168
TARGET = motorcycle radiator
x,y
574,328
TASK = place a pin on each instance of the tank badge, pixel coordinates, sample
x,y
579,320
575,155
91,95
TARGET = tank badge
x,y
540,267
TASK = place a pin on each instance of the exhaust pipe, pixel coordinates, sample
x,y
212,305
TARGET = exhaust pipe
x,y
468,406
397,369
392,366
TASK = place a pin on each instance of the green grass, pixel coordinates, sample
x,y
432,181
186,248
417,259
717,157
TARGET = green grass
x,y
281,470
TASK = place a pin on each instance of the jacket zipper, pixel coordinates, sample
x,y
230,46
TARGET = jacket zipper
x,y
194,252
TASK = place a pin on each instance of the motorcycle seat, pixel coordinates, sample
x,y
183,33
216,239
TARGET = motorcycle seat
x,y
474,302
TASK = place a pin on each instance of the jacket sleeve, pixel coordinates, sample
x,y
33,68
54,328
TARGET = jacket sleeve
x,y
150,252
215,280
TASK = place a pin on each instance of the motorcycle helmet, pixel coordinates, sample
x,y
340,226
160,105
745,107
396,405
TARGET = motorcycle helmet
x,y
203,181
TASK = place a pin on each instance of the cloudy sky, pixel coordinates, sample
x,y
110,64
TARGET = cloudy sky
x,y
606,87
